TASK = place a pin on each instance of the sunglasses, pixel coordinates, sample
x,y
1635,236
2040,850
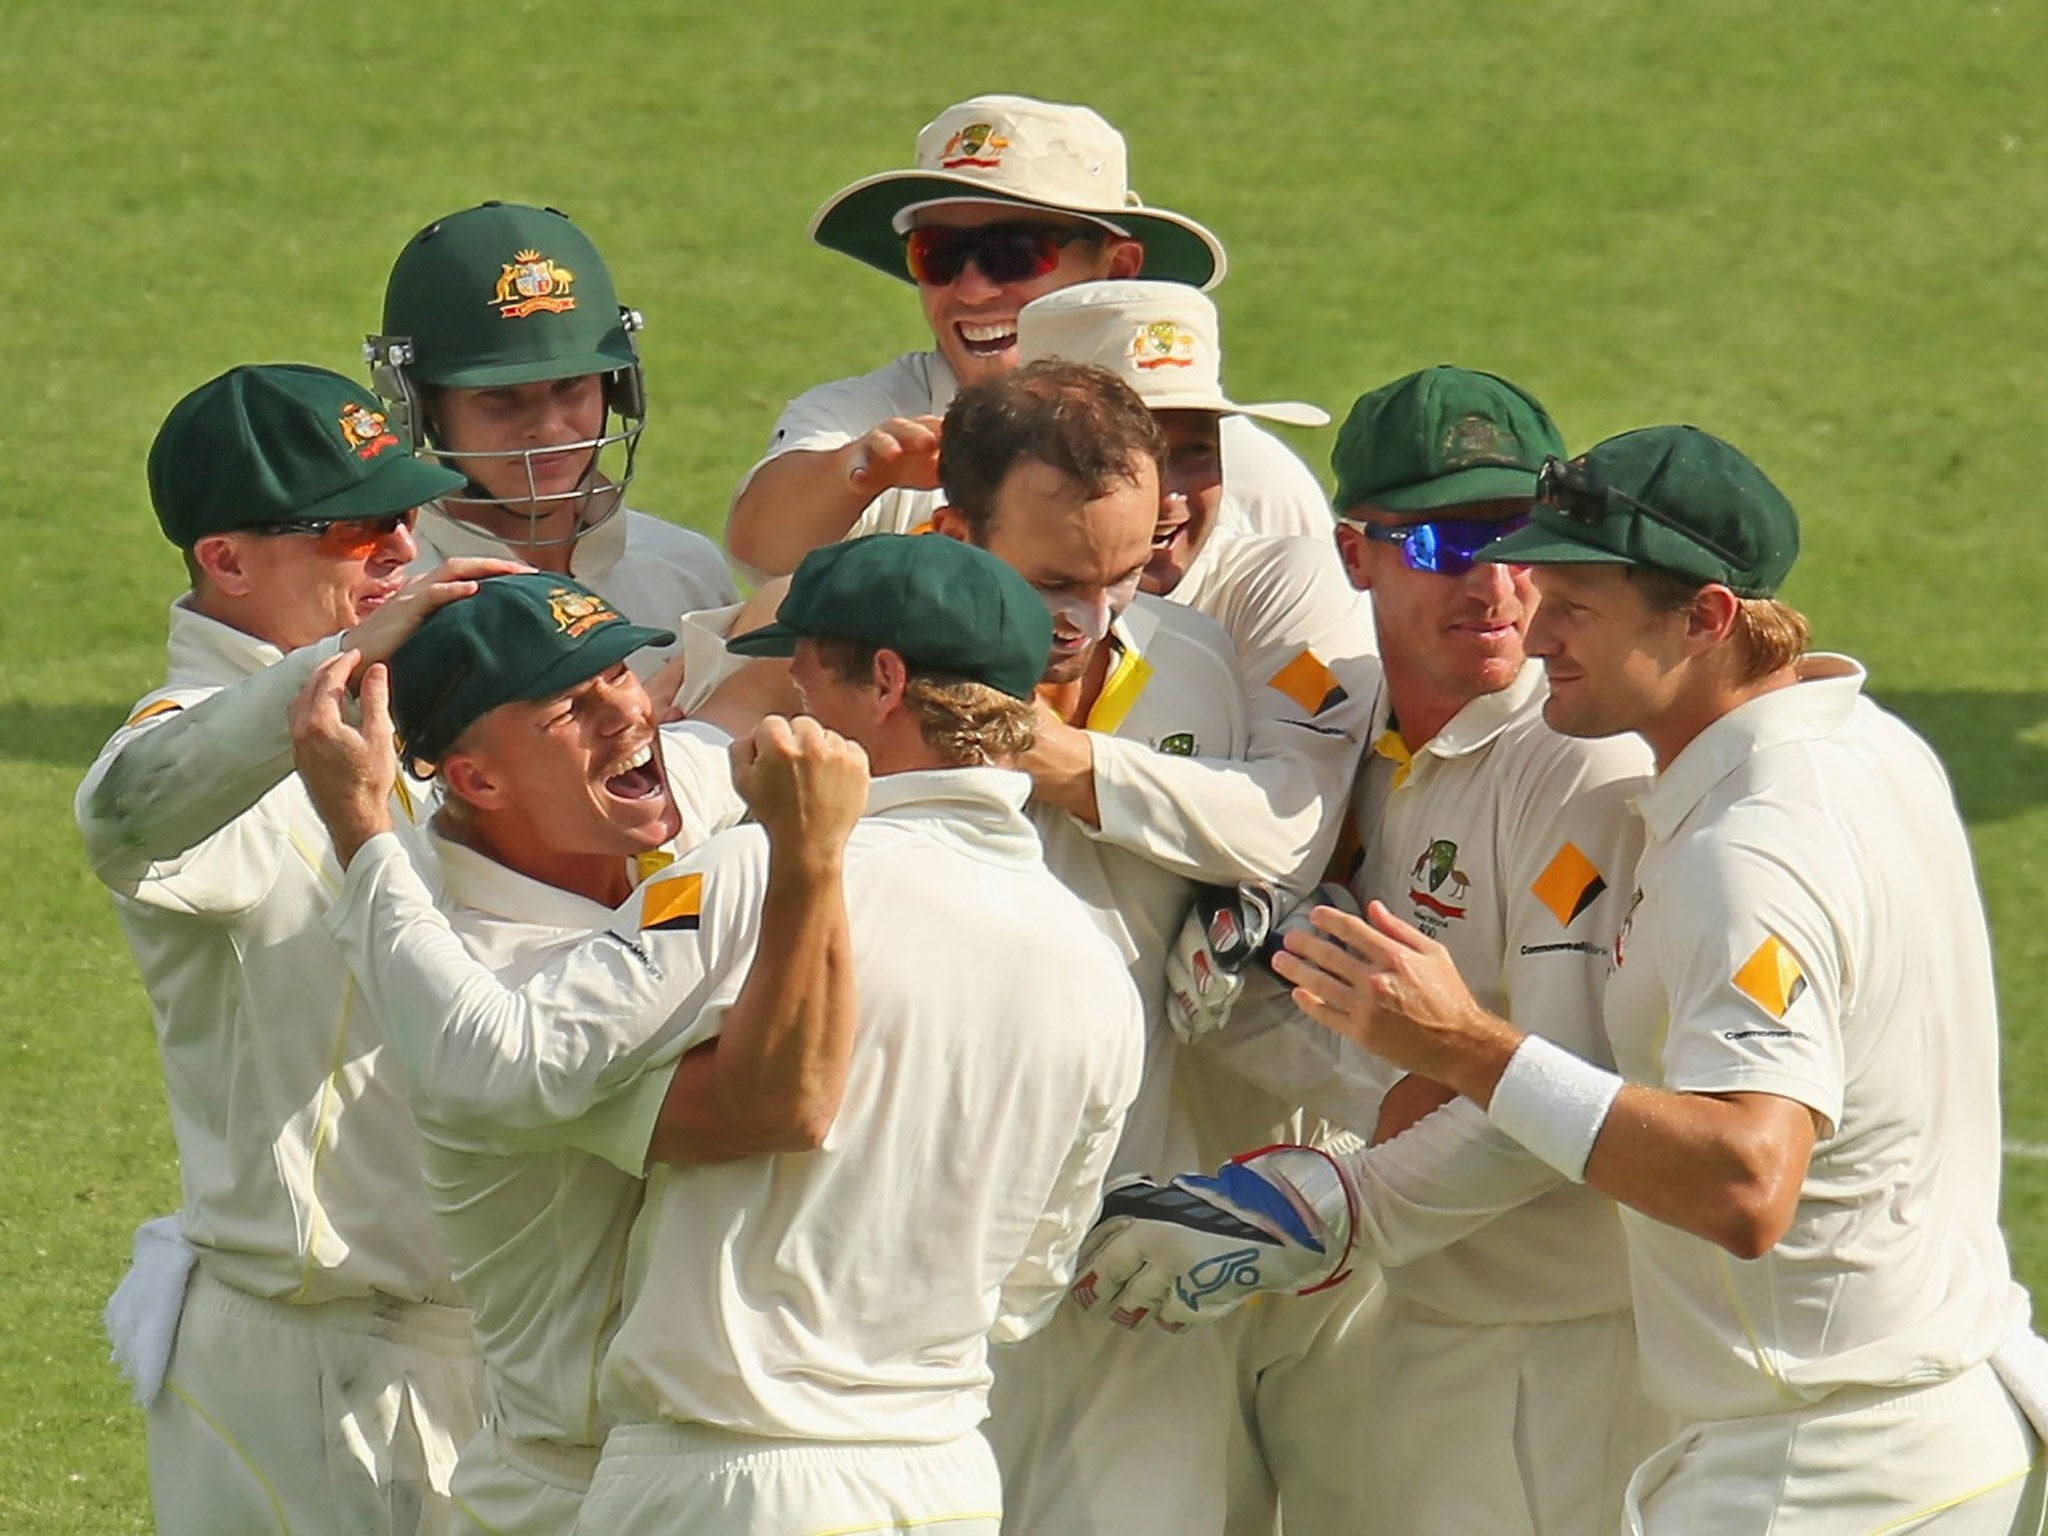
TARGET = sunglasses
x,y
937,254
1570,491
1446,546
348,538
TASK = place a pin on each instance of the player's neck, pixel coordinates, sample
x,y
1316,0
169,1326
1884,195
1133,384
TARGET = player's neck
x,y
605,878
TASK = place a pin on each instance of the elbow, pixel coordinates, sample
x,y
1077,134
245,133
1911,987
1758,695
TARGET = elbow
x,y
1759,1199
801,1125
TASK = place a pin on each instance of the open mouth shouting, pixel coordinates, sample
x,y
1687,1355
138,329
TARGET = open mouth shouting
x,y
638,777
987,338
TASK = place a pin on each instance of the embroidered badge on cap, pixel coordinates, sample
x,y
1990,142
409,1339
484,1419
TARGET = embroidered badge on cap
x,y
1309,683
978,145
673,906
1474,440
529,282
1568,885
364,430
1771,978
1162,344
576,614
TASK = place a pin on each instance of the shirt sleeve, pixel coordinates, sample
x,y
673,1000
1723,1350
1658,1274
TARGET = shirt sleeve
x,y
1751,964
1033,1289
1272,814
486,1060
833,414
1276,490
698,758
1573,840
165,810
1274,1046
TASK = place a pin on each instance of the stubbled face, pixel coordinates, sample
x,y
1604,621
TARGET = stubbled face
x,y
1190,494
579,773
973,320
1455,637
532,422
299,593
1613,662
1084,555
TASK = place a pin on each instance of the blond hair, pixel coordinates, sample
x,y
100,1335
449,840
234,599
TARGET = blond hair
x,y
969,724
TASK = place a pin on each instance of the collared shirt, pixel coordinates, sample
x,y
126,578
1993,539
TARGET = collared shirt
x,y
1514,847
1272,489
537,1225
850,1293
298,1158
1807,925
998,1046
652,571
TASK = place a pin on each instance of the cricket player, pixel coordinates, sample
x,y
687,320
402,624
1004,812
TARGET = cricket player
x,y
1140,790
320,1311
1514,846
995,1048
559,794
1010,198
507,351
1804,1128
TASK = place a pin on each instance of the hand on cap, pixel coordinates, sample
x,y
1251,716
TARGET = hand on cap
x,y
347,766
902,451
376,638
805,784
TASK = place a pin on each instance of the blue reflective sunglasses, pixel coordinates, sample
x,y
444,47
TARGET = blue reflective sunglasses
x,y
1443,546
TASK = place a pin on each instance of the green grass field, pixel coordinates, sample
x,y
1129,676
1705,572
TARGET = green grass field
x,y
1820,230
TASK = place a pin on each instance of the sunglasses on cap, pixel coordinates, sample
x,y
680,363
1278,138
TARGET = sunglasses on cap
x,y
1569,490
1010,252
345,538
1446,546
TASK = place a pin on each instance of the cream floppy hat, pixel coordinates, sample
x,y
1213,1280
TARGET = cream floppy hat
x,y
1015,149
1159,338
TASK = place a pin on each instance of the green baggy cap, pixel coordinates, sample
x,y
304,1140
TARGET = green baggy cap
x,y
516,638
504,294
282,443
938,603
1674,499
1442,437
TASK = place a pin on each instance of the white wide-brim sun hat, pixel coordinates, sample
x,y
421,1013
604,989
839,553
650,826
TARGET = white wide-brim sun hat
x,y
1159,338
1014,149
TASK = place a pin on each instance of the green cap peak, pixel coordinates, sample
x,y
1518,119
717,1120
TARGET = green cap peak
x,y
282,443
938,603
1673,499
516,638
1442,437
504,294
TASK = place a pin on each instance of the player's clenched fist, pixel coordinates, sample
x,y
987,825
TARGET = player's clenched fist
x,y
902,451
347,766
805,784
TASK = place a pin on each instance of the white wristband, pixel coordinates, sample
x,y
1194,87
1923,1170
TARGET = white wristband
x,y
1553,1103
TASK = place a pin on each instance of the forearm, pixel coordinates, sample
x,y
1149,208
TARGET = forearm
x,y
794,503
774,1078
180,781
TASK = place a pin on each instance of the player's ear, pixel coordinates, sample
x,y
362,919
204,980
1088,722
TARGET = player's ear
x,y
1351,553
889,676
471,780
1710,617
220,559
948,523
1126,257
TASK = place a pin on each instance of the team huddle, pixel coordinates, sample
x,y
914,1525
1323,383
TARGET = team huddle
x,y
1100,998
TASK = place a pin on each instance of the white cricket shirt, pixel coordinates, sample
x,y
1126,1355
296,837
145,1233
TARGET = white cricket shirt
x,y
537,1226
299,1163
652,571
849,1294
1807,924
1515,848
1271,488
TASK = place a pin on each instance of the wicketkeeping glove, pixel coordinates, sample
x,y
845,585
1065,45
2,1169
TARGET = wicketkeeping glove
x,y
1226,930
1196,1248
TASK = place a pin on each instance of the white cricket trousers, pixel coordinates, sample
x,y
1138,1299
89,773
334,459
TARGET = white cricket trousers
x,y
336,1419
691,1480
1956,1459
1513,1429
506,1485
